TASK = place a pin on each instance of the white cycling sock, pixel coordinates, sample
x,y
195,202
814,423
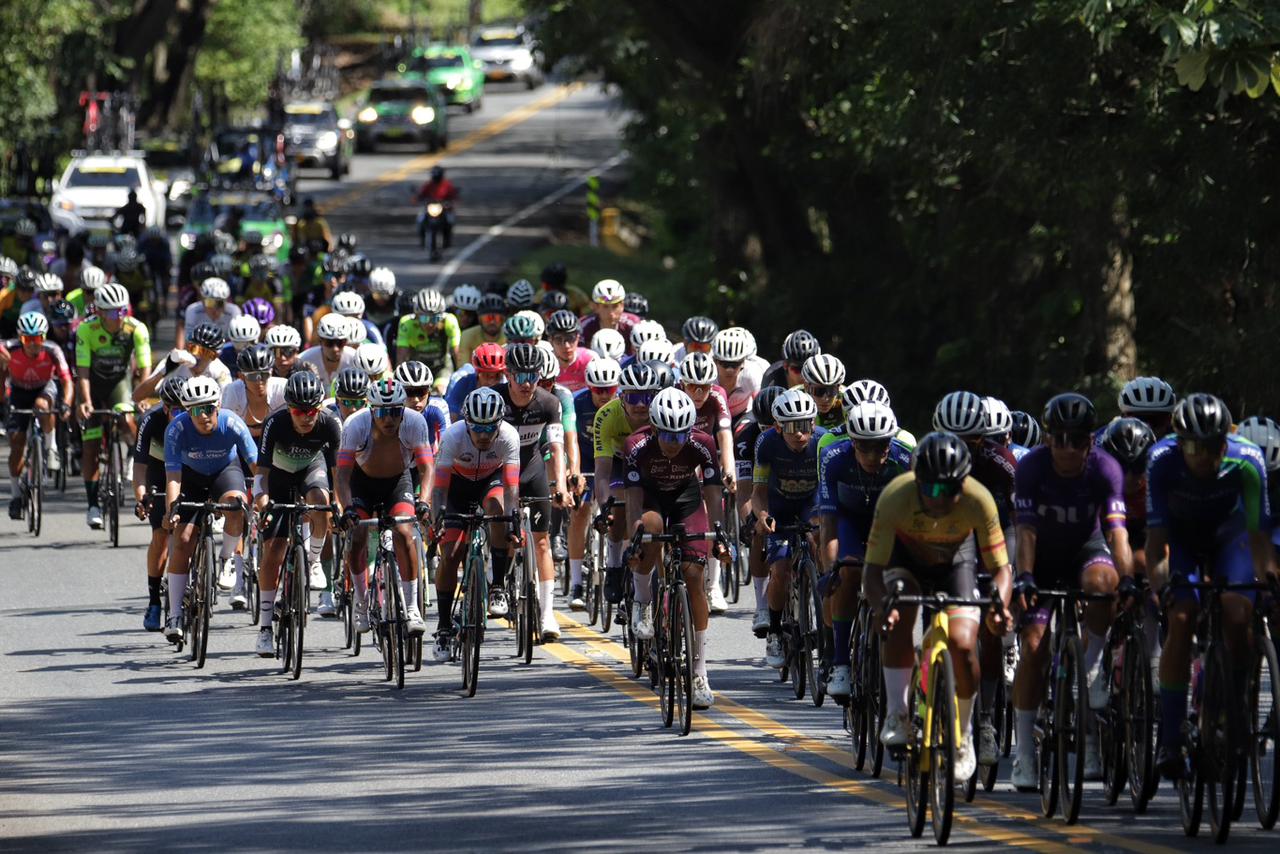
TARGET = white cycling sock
x,y
547,596
700,653
267,610
1024,723
361,584
761,584
713,573
315,547
964,708
575,571
177,589
896,682
644,589
50,440
410,589
237,561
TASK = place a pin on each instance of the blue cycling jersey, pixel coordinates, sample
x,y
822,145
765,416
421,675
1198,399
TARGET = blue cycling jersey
x,y
1198,507
792,476
437,415
461,384
846,489
228,443
584,409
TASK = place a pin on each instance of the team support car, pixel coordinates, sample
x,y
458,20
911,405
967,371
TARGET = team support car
x,y
402,111
507,53
318,138
95,186
451,68
259,212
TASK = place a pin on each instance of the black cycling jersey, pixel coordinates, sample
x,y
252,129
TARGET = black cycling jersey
x,y
150,445
538,423
285,449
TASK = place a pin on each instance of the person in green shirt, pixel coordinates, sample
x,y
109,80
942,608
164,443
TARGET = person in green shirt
x,y
430,335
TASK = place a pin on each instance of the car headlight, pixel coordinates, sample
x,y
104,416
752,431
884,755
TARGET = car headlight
x,y
187,240
178,188
327,141
521,62
66,204
452,82
368,114
422,115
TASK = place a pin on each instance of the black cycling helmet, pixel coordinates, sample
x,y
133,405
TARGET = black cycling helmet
x,y
1069,413
523,358
221,265
336,264
941,457
1129,440
348,241
664,372
492,304
762,407
201,271
637,304
61,313
359,265
699,330
553,301
303,390
350,383
638,376
563,323
799,346
208,335
260,266
1202,417
258,357
555,275
26,279
127,260
170,391
1025,430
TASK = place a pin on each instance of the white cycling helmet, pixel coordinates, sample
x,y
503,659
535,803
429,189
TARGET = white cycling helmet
x,y
647,330
871,420
823,369
697,369
483,406
751,341
794,404
92,278
428,301
200,390
1147,394
372,359
467,298
382,281
386,393
357,332
1260,430
244,329
8,266
215,288
48,283
33,323
608,292
111,296
539,325
334,327
997,418
657,350
609,343
729,345
348,304
859,391
520,294
549,366
672,411
603,373
962,413
414,374
283,335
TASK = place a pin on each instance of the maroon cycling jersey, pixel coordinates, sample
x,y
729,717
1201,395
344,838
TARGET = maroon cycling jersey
x,y
35,372
713,415
994,466
648,467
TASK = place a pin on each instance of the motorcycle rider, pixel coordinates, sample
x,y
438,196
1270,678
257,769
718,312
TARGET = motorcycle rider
x,y
437,189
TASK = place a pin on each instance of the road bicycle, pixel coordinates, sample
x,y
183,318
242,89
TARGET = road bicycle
x,y
524,573
801,638
31,484
201,594
593,567
388,619
294,592
111,492
470,610
865,711
1127,724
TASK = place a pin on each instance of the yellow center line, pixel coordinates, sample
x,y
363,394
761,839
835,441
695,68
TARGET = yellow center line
x,y
423,162
1075,834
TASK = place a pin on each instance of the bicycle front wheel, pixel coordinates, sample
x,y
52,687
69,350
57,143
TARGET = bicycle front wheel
x,y
1217,760
1138,719
917,769
942,746
682,657
298,609
1071,714
115,477
1111,728
37,486
530,617
1264,732
204,599
473,628
812,654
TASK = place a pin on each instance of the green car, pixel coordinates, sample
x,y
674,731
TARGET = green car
x,y
452,69
402,111
259,213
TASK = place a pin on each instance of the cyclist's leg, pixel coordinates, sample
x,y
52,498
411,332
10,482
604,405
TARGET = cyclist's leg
x,y
696,522
20,398
1175,659
962,632
844,599
578,521
194,487
533,484
1234,564
898,653
229,487
713,503
1098,576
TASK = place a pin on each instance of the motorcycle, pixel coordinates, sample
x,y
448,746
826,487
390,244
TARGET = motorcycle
x,y
433,223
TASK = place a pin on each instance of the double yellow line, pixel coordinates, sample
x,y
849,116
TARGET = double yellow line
x,y
423,162
759,725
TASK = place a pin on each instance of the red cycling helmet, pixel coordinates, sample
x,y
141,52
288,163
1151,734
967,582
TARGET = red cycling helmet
x,y
489,359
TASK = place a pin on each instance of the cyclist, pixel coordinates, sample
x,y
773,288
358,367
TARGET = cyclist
x,y
797,347
642,333
416,379
131,270
520,296
609,344
551,302
729,351
203,447
637,304
285,343
478,465
430,335
602,376
379,444
1024,429
488,366
998,426
372,359
1151,400
523,327
851,476
464,304
1130,440
823,376
311,226
352,306
298,460
1265,433
1071,534
48,290
555,279
261,311
1207,516
332,354
784,486
667,469
380,308
491,315
746,434
549,369
38,379
105,345
62,325
607,298
923,527
214,307
243,333
697,334
91,278
564,332
148,491
199,359
536,415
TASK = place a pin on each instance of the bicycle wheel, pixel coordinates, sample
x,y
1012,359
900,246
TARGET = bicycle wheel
x,y
473,623
190,623
917,770
1138,718
1191,803
1071,717
252,592
298,609
37,483
1111,729
1216,761
661,669
942,746
682,656
876,701
856,712
114,476
530,615
416,642
813,632
999,720
606,607
516,604
796,647
1264,733
397,640
1047,752
204,601
284,617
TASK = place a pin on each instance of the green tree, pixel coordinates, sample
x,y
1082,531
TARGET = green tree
x,y
244,45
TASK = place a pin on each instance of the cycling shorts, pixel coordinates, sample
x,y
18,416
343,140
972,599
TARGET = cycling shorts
x,y
958,578
1057,568
682,508
291,488
778,546
1221,554
25,398
374,496
464,496
199,487
104,394
533,486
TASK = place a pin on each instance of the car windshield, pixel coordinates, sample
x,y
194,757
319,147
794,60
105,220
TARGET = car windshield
x,y
400,93
210,211
430,63
307,117
498,41
168,158
104,176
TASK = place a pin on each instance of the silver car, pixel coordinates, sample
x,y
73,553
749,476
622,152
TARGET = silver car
x,y
508,53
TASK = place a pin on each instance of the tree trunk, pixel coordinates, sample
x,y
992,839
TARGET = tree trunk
x,y
1120,317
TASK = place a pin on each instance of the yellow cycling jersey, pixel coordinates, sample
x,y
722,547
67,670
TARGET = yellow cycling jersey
x,y
611,429
900,518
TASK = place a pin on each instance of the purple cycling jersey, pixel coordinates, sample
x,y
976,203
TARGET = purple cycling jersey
x,y
1065,512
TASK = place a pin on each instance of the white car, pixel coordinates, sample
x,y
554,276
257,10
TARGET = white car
x,y
95,186
508,53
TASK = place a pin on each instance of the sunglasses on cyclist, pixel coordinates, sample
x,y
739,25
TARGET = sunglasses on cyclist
x,y
286,352
200,351
256,376
872,448
203,409
482,429
638,398
698,347
214,303
31,339
416,390
388,411
304,411
1076,441
609,390
328,342
824,391
492,319
675,438
112,313
690,388
794,427
729,366
525,377
564,339
352,402
431,319
942,489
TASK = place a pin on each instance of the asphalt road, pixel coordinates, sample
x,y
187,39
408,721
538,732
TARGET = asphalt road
x,y
109,741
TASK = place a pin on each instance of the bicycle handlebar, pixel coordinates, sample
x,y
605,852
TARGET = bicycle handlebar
x,y
480,518
391,520
273,506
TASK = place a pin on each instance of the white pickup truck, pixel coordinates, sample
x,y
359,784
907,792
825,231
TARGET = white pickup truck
x,y
96,185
